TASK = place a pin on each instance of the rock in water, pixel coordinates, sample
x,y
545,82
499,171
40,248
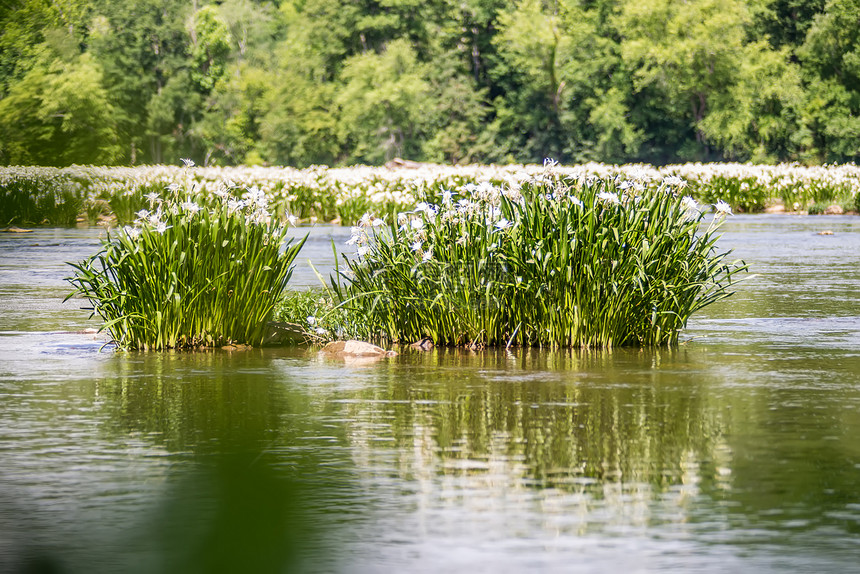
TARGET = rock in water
x,y
345,349
425,344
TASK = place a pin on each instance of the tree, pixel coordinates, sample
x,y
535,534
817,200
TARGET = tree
x,y
58,114
831,60
384,103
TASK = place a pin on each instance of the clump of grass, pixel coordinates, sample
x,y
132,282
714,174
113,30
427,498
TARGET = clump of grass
x,y
194,270
39,196
318,315
557,262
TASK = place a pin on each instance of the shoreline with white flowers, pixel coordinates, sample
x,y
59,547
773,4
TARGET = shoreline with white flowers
x,y
89,194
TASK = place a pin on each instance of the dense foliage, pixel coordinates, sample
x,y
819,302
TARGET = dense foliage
x,y
331,82
192,271
60,196
553,262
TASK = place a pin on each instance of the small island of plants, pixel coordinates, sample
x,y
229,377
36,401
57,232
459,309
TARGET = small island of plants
x,y
553,260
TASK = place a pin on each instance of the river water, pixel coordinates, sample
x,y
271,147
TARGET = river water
x,y
737,451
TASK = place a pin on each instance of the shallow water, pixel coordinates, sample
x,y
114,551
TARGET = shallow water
x,y
739,450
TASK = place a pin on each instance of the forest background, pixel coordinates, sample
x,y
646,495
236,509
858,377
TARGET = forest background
x,y
335,82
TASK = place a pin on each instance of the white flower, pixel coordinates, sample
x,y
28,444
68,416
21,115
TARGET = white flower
x,y
311,320
576,201
319,331
161,227
722,208
142,214
446,197
503,223
691,208
234,204
363,250
609,197
463,239
378,223
428,255
674,180
152,197
416,246
417,224
190,206
292,219
173,188
365,220
132,232
188,162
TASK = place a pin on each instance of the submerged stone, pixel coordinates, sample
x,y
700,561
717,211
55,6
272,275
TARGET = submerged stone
x,y
351,348
425,344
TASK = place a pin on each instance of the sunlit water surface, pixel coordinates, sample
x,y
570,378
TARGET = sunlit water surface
x,y
738,451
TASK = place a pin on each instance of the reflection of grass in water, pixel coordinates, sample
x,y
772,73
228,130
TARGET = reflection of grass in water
x,y
235,513
244,492
574,420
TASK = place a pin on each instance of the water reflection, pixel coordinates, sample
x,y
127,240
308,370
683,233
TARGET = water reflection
x,y
175,463
739,451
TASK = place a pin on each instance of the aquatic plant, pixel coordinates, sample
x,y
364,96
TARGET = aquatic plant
x,y
342,195
316,314
194,270
40,195
555,262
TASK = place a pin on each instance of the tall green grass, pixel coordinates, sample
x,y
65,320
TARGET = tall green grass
x,y
194,270
558,262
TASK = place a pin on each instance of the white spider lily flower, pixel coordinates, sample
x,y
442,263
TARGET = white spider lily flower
x,y
292,219
503,223
609,197
365,220
416,246
142,214
190,207
722,209
152,197
234,205
311,320
674,181
132,232
576,201
173,187
463,239
319,331
363,250
428,255
161,227
188,162
446,197
417,224
690,207
378,223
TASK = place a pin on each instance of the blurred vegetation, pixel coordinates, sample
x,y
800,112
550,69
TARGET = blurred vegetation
x,y
333,82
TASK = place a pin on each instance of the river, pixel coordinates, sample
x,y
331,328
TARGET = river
x,y
737,451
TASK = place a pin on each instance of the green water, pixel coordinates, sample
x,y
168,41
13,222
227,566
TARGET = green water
x,y
738,451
